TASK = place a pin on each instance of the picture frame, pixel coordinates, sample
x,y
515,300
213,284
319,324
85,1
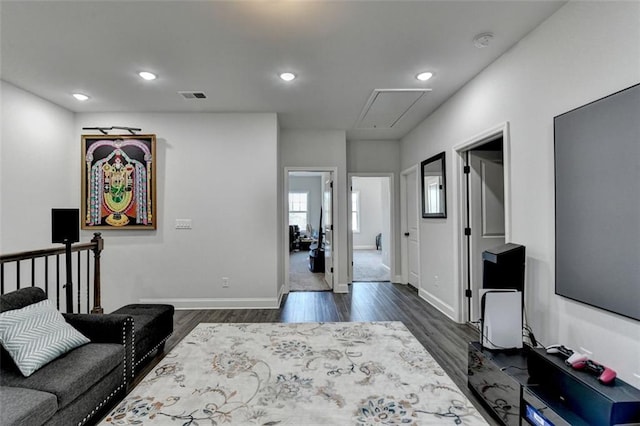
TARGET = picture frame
x,y
118,182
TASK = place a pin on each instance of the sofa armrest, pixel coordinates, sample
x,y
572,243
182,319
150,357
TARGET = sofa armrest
x,y
109,328
100,328
21,298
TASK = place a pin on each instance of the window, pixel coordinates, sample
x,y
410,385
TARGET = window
x,y
355,211
298,209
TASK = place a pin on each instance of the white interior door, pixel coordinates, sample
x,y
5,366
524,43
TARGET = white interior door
x,y
411,211
327,220
486,214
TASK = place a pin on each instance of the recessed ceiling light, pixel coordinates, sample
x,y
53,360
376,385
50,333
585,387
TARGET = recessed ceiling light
x,y
80,96
147,75
424,76
287,76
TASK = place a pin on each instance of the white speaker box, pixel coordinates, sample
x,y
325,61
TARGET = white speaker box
x,y
501,319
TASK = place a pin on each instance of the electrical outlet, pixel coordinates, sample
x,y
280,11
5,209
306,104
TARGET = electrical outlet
x,y
225,282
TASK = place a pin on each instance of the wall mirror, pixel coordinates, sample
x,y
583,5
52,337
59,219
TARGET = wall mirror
x,y
434,188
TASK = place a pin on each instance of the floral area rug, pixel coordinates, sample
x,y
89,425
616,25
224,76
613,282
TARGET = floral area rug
x,y
373,373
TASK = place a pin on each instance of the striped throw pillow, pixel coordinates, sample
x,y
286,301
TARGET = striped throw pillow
x,y
37,334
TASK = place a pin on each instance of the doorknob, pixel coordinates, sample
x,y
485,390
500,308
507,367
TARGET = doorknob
x,y
406,234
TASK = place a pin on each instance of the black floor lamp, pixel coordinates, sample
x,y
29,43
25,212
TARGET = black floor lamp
x,y
65,229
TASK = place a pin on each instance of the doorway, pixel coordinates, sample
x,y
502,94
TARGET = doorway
x,y
308,216
370,223
483,175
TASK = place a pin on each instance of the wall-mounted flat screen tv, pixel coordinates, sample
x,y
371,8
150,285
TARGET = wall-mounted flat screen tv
x,y
597,198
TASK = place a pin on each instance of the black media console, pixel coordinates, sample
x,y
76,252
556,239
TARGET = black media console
x,y
531,387
497,378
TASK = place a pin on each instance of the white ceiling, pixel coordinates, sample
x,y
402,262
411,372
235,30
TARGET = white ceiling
x,y
234,50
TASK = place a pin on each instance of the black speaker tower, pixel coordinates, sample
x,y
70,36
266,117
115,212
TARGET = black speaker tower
x,y
65,229
503,267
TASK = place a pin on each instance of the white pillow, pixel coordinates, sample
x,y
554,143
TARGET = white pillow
x,y
37,334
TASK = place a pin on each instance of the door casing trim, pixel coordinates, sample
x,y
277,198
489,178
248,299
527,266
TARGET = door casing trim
x,y
285,218
459,205
392,213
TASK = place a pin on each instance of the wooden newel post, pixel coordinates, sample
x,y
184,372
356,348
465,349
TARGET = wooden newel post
x,y
99,245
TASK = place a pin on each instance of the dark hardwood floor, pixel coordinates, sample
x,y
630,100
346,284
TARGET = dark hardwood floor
x,y
443,338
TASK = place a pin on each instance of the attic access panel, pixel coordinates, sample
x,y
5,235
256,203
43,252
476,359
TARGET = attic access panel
x,y
386,107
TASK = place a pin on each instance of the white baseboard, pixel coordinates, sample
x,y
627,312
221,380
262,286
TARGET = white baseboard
x,y
222,303
364,247
341,288
438,304
398,279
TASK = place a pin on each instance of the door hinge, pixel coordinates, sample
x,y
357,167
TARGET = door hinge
x,y
467,231
332,269
331,184
466,170
468,293
332,227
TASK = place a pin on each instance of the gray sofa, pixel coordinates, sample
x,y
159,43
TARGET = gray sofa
x,y
75,388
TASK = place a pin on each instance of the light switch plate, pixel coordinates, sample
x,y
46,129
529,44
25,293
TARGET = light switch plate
x,y
183,223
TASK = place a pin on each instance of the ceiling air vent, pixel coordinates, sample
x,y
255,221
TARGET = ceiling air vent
x,y
386,107
193,95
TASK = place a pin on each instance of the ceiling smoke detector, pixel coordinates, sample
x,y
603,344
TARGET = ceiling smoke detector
x,y
482,40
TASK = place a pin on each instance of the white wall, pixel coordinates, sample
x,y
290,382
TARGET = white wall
x,y
220,171
39,159
370,189
583,52
323,149
205,164
373,156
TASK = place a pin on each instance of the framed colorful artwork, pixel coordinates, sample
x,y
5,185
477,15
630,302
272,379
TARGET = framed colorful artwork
x,y
118,182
